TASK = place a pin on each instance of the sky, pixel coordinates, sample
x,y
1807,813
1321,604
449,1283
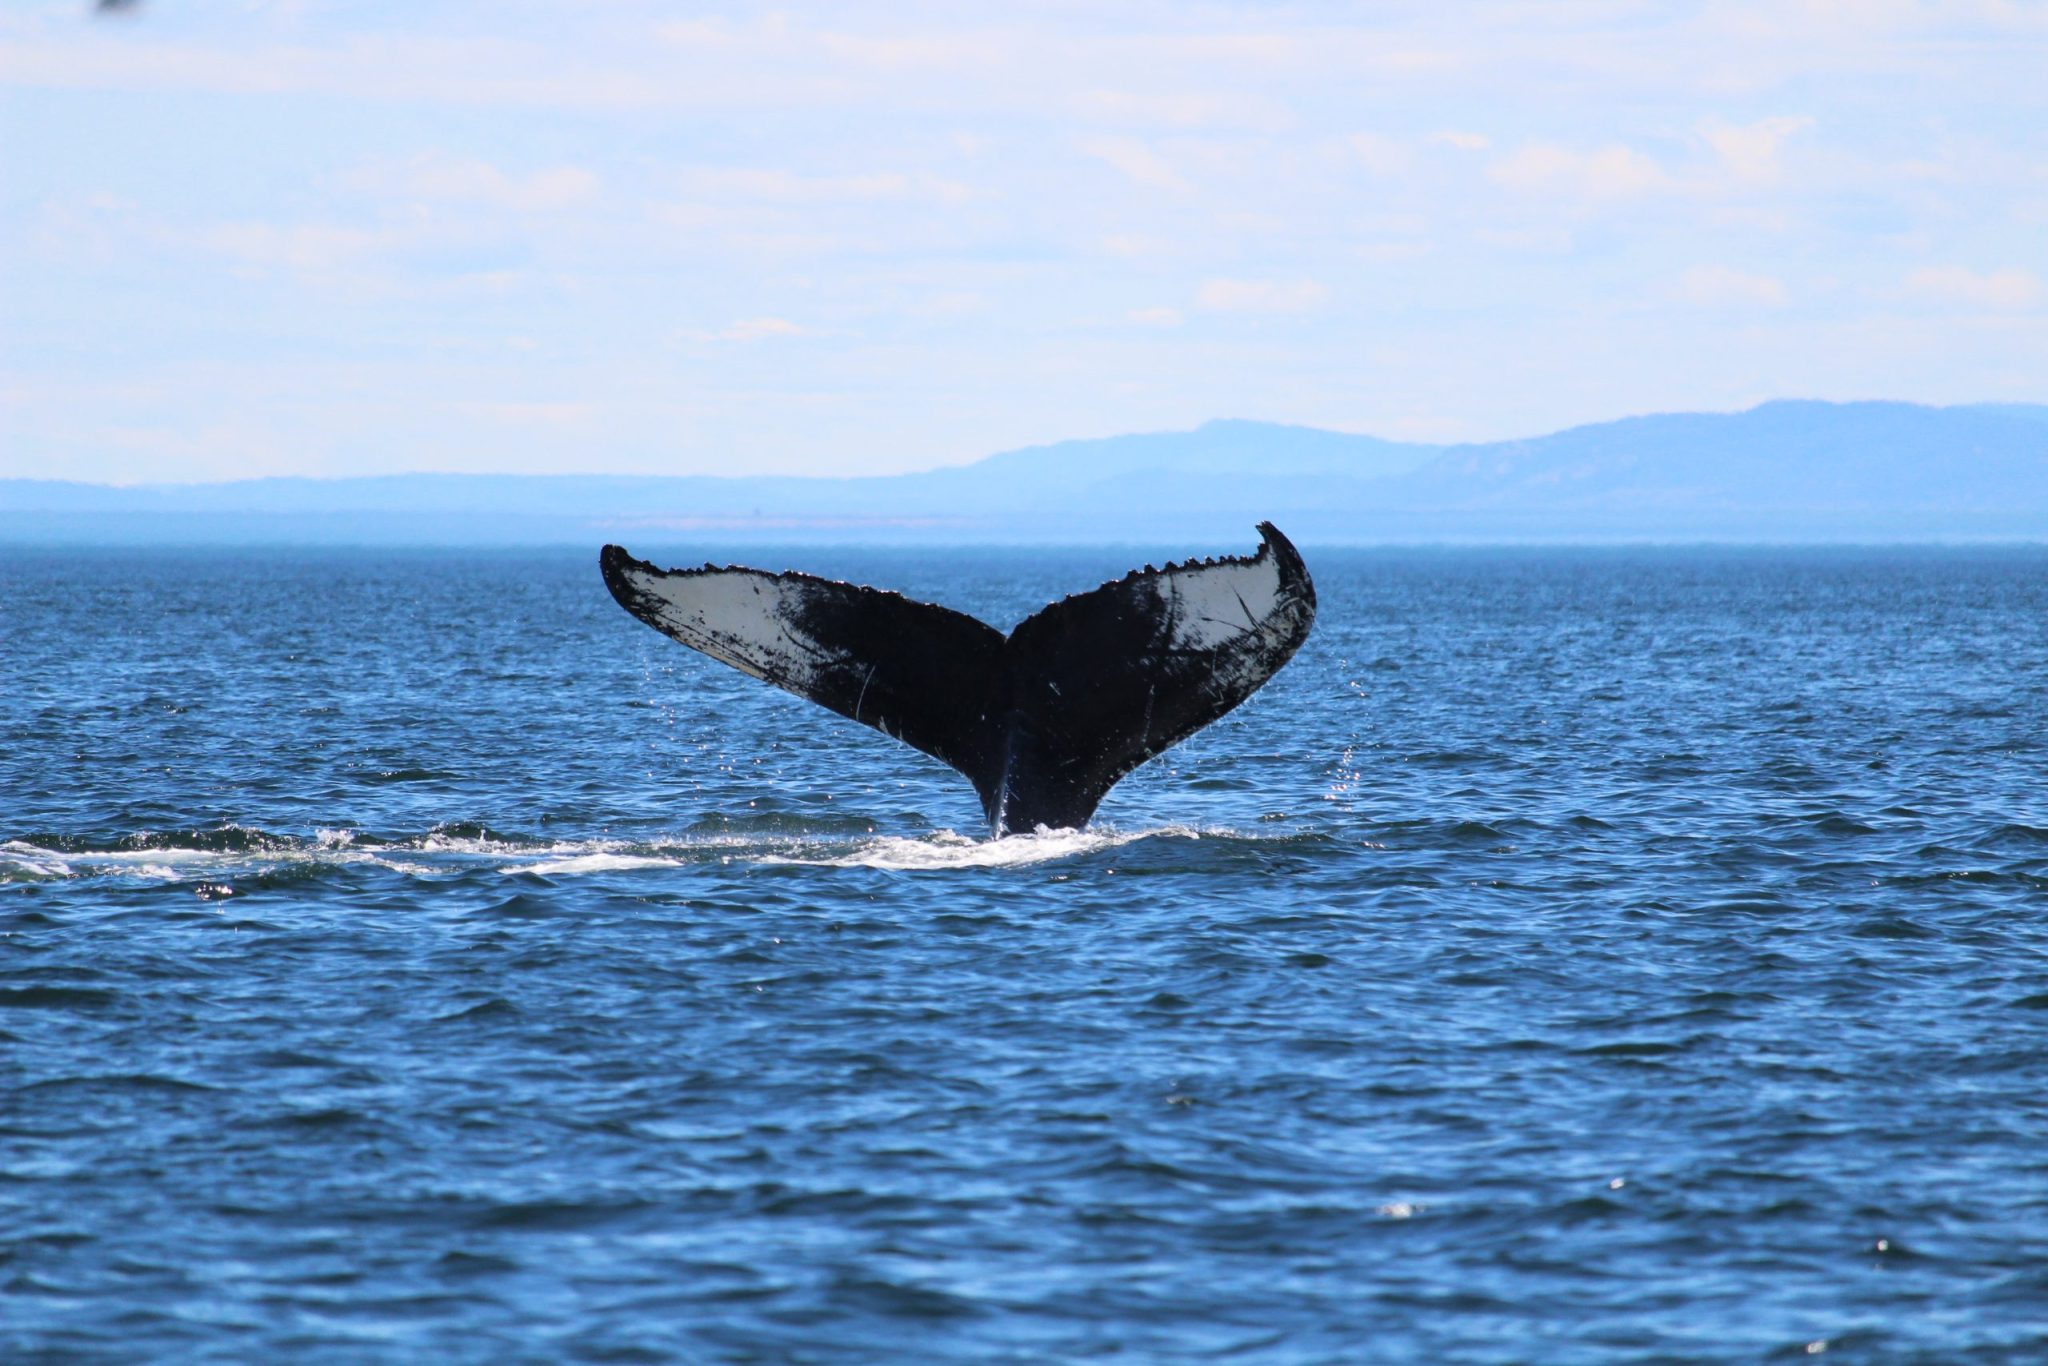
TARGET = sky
x,y
242,239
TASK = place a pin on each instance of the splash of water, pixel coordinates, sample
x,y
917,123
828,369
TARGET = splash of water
x,y
947,849
438,853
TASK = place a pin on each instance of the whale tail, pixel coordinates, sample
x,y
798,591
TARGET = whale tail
x,y
1044,721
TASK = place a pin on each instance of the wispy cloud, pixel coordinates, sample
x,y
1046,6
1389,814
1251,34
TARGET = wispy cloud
x,y
1183,109
2004,290
1380,154
776,185
1136,160
1750,151
1613,171
1262,296
879,236
750,330
309,248
1724,286
437,176
1463,141
532,414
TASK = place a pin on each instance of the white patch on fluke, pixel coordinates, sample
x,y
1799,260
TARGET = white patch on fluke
x,y
739,617
1211,605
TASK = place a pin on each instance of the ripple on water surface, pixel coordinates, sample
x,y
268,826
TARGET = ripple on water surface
x,y
1572,955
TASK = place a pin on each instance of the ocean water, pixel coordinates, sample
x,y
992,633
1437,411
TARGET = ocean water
x,y
1617,955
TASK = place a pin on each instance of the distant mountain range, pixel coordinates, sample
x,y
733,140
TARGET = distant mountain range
x,y
1784,471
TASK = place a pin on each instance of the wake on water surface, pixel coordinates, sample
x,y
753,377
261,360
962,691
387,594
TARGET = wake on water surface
x,y
206,858
1617,957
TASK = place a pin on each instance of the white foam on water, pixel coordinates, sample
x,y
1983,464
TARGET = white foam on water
x,y
594,863
23,862
436,855
408,868
464,844
435,843
160,858
945,849
570,857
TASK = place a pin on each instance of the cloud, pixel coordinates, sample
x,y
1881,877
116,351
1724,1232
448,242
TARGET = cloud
x,y
1625,180
750,330
943,52
309,248
789,187
952,303
1750,151
531,414
1182,110
438,177
1553,241
402,67
1611,172
1136,160
1262,296
1379,154
2003,290
1136,245
1723,286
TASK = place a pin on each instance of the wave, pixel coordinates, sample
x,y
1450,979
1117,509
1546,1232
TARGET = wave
x,y
24,862
937,851
207,858
946,849
597,861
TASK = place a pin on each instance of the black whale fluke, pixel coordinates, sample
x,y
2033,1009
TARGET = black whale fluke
x,y
1044,721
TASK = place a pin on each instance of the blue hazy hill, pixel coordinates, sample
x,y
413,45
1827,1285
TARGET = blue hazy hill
x,y
1788,470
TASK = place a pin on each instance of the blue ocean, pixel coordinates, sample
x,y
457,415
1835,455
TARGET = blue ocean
x,y
1594,955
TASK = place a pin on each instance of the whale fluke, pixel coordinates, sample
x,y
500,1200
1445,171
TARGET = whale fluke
x,y
1044,721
